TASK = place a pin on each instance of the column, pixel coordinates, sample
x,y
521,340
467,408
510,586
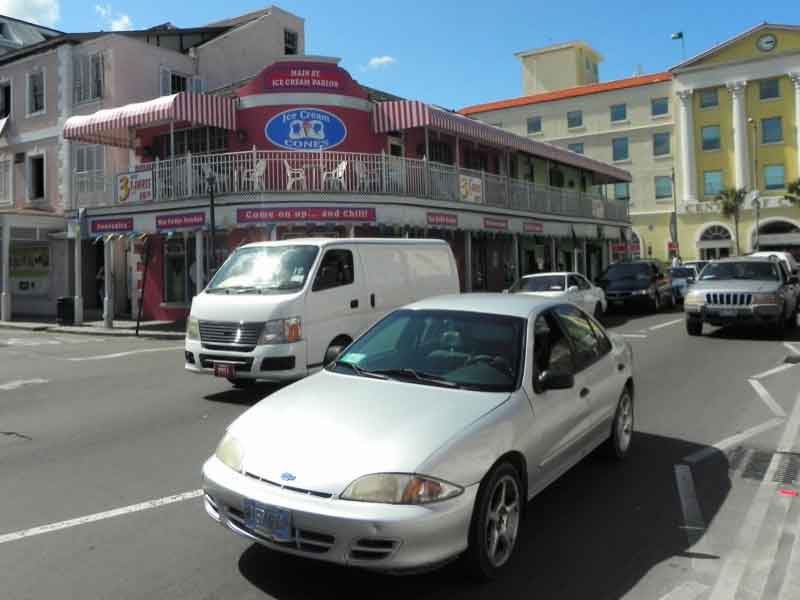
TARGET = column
x,y
5,299
688,167
796,81
585,261
467,261
199,260
108,268
517,266
740,146
78,298
553,257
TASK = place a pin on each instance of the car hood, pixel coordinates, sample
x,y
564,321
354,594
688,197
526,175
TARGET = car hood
x,y
251,307
330,429
735,285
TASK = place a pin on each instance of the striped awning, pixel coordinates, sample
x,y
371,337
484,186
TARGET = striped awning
x,y
112,127
397,115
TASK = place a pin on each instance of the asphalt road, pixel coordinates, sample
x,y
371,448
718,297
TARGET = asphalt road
x,y
101,443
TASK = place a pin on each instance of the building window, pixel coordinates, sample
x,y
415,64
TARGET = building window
x,y
619,112
709,98
89,168
88,78
574,118
36,93
663,187
768,89
199,140
712,183
622,191
6,196
35,177
659,106
534,124
661,145
619,149
5,99
173,83
771,130
441,152
289,42
711,137
577,148
774,177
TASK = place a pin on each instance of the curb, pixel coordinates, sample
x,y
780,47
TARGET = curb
x,y
96,331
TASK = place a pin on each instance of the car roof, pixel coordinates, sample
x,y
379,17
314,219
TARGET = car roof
x,y
755,259
323,242
514,305
551,273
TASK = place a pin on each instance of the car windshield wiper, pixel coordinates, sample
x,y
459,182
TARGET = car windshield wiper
x,y
407,373
359,371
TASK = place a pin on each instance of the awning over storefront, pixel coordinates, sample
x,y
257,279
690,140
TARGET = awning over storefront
x,y
407,114
112,127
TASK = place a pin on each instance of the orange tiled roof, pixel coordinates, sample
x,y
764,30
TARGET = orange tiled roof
x,y
582,90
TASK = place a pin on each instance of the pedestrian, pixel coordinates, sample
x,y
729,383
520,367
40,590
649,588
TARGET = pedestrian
x,y
676,261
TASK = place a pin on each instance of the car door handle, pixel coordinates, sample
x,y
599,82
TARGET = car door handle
x,y
354,303
585,392
372,300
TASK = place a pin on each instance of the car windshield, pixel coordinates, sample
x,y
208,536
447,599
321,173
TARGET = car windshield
x,y
260,269
539,283
639,271
456,349
759,271
681,272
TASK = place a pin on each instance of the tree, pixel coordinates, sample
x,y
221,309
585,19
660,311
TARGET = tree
x,y
793,192
731,202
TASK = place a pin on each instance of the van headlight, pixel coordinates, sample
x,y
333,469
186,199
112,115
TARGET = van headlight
x,y
192,329
230,452
281,331
400,488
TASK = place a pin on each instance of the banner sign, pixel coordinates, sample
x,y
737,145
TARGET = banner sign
x,y
305,129
634,248
471,188
30,269
442,219
298,78
136,186
532,227
195,219
112,225
314,213
490,223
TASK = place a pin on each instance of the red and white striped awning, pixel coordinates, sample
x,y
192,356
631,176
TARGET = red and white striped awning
x,y
397,115
112,126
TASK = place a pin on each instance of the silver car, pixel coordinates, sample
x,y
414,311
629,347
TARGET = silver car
x,y
425,439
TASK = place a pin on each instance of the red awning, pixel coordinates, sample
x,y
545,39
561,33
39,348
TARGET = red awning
x,y
111,127
407,114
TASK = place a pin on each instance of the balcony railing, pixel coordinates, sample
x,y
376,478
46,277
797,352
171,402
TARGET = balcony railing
x,y
255,172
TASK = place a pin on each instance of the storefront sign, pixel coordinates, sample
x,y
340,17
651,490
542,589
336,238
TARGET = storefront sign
x,y
194,219
532,227
298,78
442,219
471,188
620,248
30,270
306,129
112,225
136,186
314,213
489,223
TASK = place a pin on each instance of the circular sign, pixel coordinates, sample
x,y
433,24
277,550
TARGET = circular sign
x,y
305,129
767,42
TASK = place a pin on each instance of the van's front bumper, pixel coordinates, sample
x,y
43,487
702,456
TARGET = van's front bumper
x,y
755,314
278,362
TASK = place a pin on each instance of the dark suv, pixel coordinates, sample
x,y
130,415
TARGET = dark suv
x,y
638,282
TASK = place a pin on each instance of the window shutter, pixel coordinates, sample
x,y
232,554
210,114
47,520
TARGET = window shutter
x,y
97,75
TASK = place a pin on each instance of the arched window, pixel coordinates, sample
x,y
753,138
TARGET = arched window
x,y
715,233
778,228
715,242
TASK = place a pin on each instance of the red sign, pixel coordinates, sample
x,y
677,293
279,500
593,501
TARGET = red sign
x,y
672,247
442,219
112,225
489,223
625,248
314,213
177,221
532,227
301,77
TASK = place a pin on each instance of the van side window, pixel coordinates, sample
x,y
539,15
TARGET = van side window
x,y
335,270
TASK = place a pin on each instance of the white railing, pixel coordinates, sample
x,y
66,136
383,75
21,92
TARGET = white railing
x,y
257,171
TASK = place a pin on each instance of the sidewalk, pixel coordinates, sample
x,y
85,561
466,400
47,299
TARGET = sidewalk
x,y
169,330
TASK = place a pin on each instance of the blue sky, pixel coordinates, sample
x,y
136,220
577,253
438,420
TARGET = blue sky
x,y
454,53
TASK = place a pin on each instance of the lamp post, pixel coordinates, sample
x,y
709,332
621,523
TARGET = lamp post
x,y
756,199
212,263
674,224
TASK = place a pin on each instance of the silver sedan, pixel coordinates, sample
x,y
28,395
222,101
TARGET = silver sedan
x,y
425,439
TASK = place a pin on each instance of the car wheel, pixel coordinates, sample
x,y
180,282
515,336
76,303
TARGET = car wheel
x,y
694,326
619,442
242,383
655,303
495,522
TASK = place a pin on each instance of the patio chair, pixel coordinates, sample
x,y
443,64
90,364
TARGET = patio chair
x,y
367,180
294,176
336,175
255,176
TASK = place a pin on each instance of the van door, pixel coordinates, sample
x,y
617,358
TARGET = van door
x,y
335,304
387,279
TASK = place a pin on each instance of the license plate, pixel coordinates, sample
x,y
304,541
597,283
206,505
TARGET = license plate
x,y
227,371
727,312
271,521
617,302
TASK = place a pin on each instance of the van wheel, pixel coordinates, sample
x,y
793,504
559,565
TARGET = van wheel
x,y
335,349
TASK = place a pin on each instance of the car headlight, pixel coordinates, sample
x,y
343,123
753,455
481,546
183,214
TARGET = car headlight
x,y
400,488
281,331
765,299
192,329
230,452
641,292
695,298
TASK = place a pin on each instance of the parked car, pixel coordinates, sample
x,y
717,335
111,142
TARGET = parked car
x,y
280,310
639,282
682,277
570,287
425,439
697,264
742,290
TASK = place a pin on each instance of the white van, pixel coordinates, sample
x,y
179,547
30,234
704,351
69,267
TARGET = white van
x,y
280,310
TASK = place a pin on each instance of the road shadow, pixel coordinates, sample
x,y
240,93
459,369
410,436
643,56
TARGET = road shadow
x,y
593,534
753,333
616,317
246,396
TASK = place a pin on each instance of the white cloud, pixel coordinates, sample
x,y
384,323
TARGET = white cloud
x,y
111,20
43,12
380,62
121,23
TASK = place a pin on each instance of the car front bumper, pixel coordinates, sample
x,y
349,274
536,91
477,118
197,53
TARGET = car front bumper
x,y
728,315
620,299
382,537
279,362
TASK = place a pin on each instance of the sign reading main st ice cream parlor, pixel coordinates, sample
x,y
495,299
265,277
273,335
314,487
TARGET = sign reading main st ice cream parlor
x,y
306,129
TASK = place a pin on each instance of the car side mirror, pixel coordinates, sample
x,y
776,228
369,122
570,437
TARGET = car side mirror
x,y
555,381
572,289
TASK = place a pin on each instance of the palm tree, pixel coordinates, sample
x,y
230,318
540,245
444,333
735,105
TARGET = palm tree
x,y
731,201
793,192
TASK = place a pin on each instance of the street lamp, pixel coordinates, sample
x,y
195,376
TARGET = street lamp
x,y
674,224
211,180
756,199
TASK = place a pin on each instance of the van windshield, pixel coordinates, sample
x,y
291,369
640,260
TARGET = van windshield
x,y
260,269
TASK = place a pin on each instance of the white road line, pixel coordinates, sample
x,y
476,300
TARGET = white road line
x,y
767,397
732,441
109,514
18,383
790,588
778,369
695,525
129,353
667,324
688,590
792,347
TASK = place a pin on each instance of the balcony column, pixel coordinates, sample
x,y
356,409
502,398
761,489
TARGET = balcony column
x,y
108,268
5,299
467,261
796,81
740,146
688,167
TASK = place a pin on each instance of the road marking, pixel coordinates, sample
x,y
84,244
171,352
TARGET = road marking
x,y
732,441
767,397
667,324
792,347
109,514
694,523
777,369
129,353
18,383
790,588
688,590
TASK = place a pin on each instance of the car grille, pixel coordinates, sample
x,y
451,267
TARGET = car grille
x,y
289,487
312,542
372,549
229,335
730,299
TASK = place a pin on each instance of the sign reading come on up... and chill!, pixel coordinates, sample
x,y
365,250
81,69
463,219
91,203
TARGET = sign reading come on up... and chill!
x,y
305,129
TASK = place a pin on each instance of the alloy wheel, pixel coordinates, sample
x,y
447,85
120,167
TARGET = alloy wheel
x,y
624,423
502,520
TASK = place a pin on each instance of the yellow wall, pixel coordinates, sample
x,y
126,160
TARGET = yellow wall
x,y
746,48
655,238
714,160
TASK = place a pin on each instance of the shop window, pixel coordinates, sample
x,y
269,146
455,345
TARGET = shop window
x,y
619,112
619,149
5,99
574,119
769,89
663,187
661,145
774,177
36,177
534,125
335,270
659,107
290,39
771,130
709,98
179,271
36,92
712,183
711,137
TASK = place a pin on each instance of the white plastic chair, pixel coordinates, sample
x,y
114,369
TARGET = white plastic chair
x,y
255,176
336,175
366,179
294,176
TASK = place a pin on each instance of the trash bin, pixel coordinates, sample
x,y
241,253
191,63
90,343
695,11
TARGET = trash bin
x,y
65,310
